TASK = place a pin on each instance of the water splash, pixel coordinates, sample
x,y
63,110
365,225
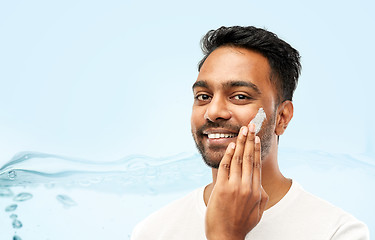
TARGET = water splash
x,y
136,173
122,185
66,200
17,224
11,208
12,175
5,192
23,197
141,174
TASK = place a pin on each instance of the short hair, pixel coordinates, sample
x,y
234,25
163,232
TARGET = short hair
x,y
283,59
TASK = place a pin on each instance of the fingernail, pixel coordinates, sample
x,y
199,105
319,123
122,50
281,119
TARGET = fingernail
x,y
257,139
252,127
244,131
232,145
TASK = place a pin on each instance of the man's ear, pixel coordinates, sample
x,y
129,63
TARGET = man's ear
x,y
284,115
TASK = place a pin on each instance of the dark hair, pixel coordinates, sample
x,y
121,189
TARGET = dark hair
x,y
283,59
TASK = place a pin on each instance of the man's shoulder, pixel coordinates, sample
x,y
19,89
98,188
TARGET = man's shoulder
x,y
311,214
318,206
178,215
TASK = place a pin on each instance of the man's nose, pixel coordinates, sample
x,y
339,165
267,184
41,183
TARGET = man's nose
x,y
217,109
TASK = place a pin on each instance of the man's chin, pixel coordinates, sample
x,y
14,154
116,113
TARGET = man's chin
x,y
213,159
211,155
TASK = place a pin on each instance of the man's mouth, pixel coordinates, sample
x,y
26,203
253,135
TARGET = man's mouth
x,y
221,135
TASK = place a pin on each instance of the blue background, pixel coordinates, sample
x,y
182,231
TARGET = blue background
x,y
101,80
104,79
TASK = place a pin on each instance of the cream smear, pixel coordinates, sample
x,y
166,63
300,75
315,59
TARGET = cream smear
x,y
258,120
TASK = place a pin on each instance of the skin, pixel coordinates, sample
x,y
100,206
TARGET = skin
x,y
232,85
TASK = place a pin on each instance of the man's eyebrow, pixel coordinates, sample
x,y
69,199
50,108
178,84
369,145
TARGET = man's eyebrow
x,y
200,83
230,84
239,83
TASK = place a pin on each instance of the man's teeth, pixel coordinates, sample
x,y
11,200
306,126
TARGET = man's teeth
x,y
221,135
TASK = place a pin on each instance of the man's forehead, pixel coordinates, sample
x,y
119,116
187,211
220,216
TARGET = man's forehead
x,y
234,58
228,65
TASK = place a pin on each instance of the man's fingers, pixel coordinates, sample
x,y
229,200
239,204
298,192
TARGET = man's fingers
x,y
257,165
224,167
236,164
248,156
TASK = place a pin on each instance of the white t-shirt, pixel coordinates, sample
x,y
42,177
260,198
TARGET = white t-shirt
x,y
298,215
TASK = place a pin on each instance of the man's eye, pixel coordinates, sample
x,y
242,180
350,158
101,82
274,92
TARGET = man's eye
x,y
202,97
241,97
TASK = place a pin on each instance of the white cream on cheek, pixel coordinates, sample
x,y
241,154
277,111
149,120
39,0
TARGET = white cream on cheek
x,y
258,120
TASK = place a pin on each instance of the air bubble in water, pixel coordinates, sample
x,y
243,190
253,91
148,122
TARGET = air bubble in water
x,y
96,180
12,175
49,185
152,191
17,223
11,208
22,197
5,192
85,183
66,200
15,237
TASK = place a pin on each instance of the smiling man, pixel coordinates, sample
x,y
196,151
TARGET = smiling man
x,y
245,69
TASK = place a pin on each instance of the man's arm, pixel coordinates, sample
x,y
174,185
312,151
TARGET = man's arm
x,y
238,200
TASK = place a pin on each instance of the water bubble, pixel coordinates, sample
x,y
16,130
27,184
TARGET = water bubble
x,y
22,197
152,173
11,208
66,200
12,175
138,168
50,185
5,192
17,223
13,216
85,183
15,237
152,191
96,180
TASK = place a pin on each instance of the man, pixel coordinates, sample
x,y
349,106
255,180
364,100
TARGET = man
x,y
245,69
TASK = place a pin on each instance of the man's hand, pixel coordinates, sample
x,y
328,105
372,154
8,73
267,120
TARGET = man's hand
x,y
238,200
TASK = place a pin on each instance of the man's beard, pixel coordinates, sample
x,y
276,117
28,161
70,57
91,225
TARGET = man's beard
x,y
218,152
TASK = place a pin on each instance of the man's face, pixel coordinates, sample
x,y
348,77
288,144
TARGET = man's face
x,y
233,83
